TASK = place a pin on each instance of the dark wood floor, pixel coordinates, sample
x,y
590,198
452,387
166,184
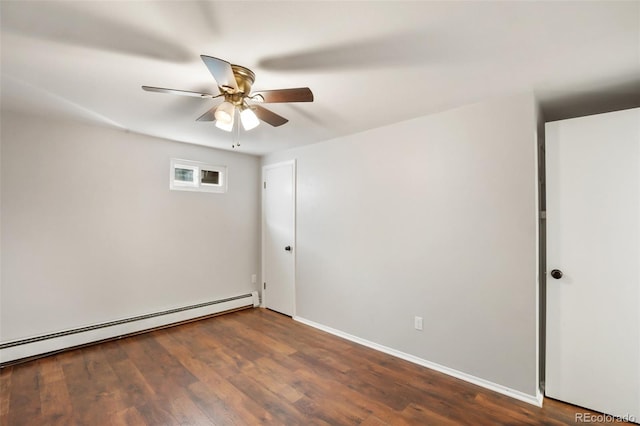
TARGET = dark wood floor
x,y
246,368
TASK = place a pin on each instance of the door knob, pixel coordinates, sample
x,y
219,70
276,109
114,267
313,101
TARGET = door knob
x,y
556,273
288,248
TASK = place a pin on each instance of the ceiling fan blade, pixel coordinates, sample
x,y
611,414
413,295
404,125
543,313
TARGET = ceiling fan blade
x,y
210,115
221,71
179,92
300,94
268,116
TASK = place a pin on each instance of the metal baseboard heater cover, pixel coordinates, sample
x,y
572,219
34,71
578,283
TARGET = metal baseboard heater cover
x,y
37,345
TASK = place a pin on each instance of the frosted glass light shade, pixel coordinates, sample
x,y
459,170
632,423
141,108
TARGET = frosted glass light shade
x,y
225,126
224,113
249,119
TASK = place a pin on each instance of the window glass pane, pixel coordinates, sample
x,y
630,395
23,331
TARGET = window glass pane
x,y
210,177
184,175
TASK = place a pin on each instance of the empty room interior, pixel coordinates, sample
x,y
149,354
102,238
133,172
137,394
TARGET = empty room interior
x,y
319,212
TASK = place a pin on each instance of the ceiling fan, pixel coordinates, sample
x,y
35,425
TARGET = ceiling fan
x,y
234,85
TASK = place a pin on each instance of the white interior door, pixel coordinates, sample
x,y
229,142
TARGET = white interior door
x,y
593,238
278,233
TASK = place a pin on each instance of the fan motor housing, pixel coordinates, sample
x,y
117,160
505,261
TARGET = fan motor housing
x,y
244,79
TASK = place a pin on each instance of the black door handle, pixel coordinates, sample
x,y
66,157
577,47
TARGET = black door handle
x,y
288,248
556,273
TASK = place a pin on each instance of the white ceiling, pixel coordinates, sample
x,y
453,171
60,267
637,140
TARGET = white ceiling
x,y
368,63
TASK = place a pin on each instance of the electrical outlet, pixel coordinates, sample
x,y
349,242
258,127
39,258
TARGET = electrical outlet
x,y
417,323
254,279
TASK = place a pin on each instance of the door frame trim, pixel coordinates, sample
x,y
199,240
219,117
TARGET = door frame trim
x,y
294,181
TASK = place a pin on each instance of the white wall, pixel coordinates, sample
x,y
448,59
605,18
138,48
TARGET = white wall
x,y
434,217
92,233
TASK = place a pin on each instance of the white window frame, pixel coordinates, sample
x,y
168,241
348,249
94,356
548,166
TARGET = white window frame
x,y
196,184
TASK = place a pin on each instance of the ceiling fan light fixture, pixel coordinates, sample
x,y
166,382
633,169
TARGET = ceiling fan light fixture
x,y
249,119
224,113
235,87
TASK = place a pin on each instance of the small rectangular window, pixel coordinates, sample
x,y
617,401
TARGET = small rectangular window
x,y
209,177
186,175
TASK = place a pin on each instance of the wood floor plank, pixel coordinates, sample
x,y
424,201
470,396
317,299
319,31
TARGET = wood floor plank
x,y
284,413
222,410
54,395
374,421
233,340
154,413
5,386
392,393
127,417
255,335
166,376
250,367
135,390
24,395
322,411
264,372
346,405
417,414
94,389
187,412
195,337
205,398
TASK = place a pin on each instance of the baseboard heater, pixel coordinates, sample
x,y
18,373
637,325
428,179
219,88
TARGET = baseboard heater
x,y
16,350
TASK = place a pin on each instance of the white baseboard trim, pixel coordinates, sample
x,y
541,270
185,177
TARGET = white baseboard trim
x,y
521,396
38,345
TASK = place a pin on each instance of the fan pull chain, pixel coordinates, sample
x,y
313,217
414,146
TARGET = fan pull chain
x,y
236,130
